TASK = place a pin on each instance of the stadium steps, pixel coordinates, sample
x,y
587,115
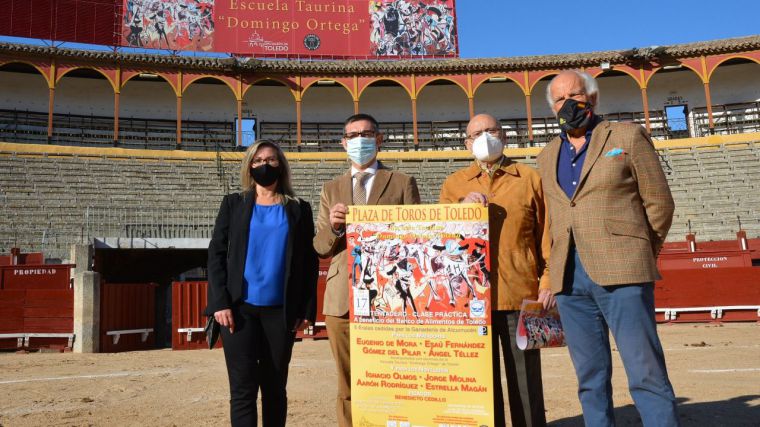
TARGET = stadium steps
x,y
50,195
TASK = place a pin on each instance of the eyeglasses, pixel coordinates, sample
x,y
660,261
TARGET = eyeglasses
x,y
363,134
272,161
493,131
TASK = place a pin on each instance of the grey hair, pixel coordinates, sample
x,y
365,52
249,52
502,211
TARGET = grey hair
x,y
589,84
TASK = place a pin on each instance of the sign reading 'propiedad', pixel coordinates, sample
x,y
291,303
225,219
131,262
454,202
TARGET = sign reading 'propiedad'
x,y
420,315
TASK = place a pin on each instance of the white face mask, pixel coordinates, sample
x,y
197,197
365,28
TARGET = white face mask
x,y
487,148
361,150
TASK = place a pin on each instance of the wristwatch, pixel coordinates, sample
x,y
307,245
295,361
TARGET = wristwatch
x,y
340,233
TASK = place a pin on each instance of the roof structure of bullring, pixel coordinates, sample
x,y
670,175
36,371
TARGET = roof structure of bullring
x,y
635,57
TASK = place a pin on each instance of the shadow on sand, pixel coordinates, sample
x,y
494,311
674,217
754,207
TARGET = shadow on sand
x,y
739,411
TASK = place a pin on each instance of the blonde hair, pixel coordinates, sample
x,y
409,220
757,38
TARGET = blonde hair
x,y
284,186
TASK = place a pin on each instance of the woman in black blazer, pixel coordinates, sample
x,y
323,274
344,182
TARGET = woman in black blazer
x,y
262,273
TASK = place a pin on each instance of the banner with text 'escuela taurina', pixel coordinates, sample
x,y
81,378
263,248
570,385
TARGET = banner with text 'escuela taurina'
x,y
420,315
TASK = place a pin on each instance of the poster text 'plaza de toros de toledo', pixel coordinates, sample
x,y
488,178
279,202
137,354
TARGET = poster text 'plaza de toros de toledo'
x,y
294,28
420,315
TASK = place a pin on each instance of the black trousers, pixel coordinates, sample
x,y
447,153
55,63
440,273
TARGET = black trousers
x,y
257,355
523,372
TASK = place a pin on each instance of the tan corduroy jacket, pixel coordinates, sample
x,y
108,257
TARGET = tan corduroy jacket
x,y
388,188
519,235
620,213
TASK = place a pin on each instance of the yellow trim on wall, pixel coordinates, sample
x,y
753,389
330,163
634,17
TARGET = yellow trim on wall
x,y
479,85
160,75
7,148
98,70
42,73
687,66
209,76
348,89
728,58
389,79
464,89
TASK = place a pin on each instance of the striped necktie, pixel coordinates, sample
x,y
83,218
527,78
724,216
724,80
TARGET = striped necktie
x,y
360,193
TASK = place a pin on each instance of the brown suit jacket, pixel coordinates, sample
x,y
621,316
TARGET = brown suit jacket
x,y
620,213
389,188
519,230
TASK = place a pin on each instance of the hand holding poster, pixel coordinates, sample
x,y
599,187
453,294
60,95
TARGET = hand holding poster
x,y
539,328
420,315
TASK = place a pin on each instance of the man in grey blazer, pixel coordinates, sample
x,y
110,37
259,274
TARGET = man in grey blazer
x,y
367,182
610,209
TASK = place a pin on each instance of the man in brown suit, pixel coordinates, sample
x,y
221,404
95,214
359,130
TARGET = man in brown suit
x,y
610,209
519,249
367,182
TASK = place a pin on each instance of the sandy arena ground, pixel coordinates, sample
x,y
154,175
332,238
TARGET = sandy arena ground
x,y
715,370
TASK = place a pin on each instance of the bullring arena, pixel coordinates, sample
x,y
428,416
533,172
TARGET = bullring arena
x,y
113,164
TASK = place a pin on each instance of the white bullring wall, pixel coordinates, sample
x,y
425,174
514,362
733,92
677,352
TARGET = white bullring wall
x,y
679,87
735,83
75,95
503,100
388,104
270,104
617,94
326,104
209,102
20,91
141,99
155,99
538,103
440,103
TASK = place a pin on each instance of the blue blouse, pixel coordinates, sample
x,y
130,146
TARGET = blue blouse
x,y
264,273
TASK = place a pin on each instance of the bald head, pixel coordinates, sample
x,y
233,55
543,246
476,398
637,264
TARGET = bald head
x,y
482,123
479,123
573,84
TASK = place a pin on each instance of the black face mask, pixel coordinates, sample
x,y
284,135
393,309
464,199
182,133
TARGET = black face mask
x,y
575,115
265,175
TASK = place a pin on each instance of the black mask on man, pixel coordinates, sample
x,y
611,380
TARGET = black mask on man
x,y
265,175
575,115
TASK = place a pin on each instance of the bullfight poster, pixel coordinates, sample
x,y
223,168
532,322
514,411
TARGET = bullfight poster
x,y
294,28
538,327
420,315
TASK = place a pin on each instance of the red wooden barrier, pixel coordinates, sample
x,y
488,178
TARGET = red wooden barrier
x,y
45,276
35,299
684,290
709,281
320,331
17,258
188,302
127,307
11,313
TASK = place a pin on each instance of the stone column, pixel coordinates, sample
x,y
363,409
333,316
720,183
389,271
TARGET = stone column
x,y
86,301
81,256
87,312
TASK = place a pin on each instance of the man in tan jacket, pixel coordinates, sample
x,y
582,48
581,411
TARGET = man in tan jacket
x,y
519,248
610,210
367,183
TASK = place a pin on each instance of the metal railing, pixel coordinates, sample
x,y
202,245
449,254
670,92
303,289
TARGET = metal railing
x,y
728,119
189,222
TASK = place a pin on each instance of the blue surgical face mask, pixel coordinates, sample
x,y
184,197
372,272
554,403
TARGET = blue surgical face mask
x,y
361,150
